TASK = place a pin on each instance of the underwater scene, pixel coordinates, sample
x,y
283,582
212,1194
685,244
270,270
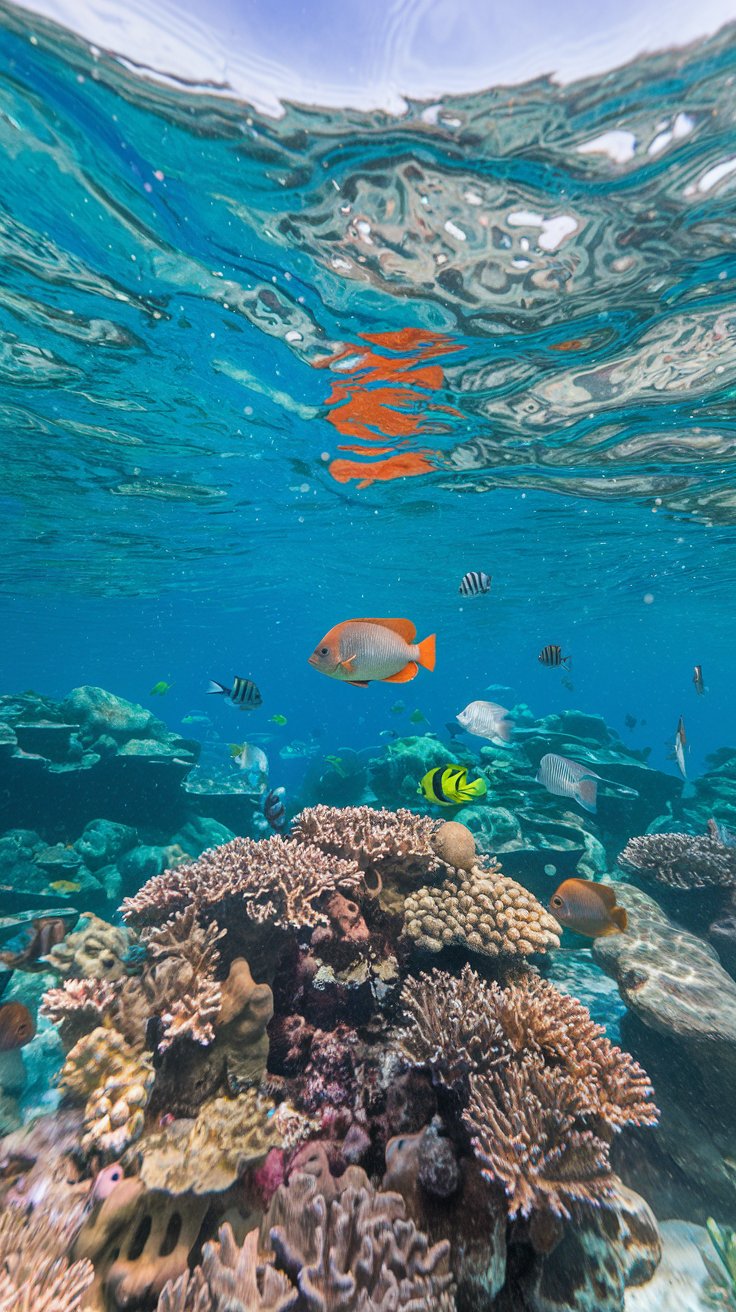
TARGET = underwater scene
x,y
367,716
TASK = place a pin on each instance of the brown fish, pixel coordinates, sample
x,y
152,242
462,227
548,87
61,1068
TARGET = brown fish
x,y
17,1026
588,907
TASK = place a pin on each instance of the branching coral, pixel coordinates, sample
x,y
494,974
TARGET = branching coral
x,y
463,1026
116,1083
78,1006
481,910
35,1274
181,983
276,881
384,843
526,1128
240,1281
682,860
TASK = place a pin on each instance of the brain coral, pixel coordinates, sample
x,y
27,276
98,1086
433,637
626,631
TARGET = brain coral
x,y
483,910
275,881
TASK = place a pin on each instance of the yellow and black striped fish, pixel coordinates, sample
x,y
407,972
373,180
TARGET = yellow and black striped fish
x,y
552,655
448,786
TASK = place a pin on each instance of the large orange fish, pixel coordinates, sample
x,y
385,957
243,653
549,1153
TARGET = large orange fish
x,y
364,650
588,907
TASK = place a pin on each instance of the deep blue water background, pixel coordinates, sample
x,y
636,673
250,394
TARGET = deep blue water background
x,y
167,506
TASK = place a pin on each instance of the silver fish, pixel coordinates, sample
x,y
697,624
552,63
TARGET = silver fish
x,y
487,720
566,778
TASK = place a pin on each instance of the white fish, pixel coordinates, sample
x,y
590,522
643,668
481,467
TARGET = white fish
x,y
254,763
680,740
566,778
487,720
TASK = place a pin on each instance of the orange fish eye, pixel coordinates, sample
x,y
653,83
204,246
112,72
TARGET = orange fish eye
x,y
324,651
556,901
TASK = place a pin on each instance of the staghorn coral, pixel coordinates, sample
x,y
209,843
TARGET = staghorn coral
x,y
209,1154
351,1248
385,844
180,983
116,1082
682,861
525,1124
96,950
188,1293
463,1026
35,1274
481,910
275,881
454,1025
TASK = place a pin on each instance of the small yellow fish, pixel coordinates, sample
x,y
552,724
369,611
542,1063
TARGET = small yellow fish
x,y
236,749
338,765
160,689
278,719
65,886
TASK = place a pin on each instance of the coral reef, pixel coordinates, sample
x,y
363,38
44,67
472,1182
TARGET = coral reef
x,y
483,911
682,860
211,1153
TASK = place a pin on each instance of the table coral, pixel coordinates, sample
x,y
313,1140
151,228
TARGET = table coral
x,y
116,1082
275,881
481,910
682,861
384,843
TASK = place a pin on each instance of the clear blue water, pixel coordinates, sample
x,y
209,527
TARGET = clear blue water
x,y
260,375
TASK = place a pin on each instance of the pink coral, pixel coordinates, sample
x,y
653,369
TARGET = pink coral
x,y
275,881
385,843
78,1006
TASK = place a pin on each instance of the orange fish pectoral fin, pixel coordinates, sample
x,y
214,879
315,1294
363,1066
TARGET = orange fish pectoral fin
x,y
619,919
428,652
404,628
357,683
607,895
348,663
408,673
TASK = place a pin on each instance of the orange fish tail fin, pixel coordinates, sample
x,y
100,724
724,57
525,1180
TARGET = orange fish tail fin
x,y
428,652
587,794
619,918
409,672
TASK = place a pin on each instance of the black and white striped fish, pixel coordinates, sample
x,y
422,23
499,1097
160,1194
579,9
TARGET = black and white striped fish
x,y
552,655
243,694
474,583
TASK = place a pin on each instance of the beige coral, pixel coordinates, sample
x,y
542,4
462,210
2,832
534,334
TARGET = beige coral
x,y
385,844
528,1131
209,1154
116,1083
181,982
94,951
35,1274
78,1006
274,881
245,1011
483,910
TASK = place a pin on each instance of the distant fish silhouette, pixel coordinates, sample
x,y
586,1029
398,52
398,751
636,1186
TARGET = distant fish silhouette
x,y
17,1026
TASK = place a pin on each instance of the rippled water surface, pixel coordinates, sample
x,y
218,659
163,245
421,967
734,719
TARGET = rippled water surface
x,y
349,355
